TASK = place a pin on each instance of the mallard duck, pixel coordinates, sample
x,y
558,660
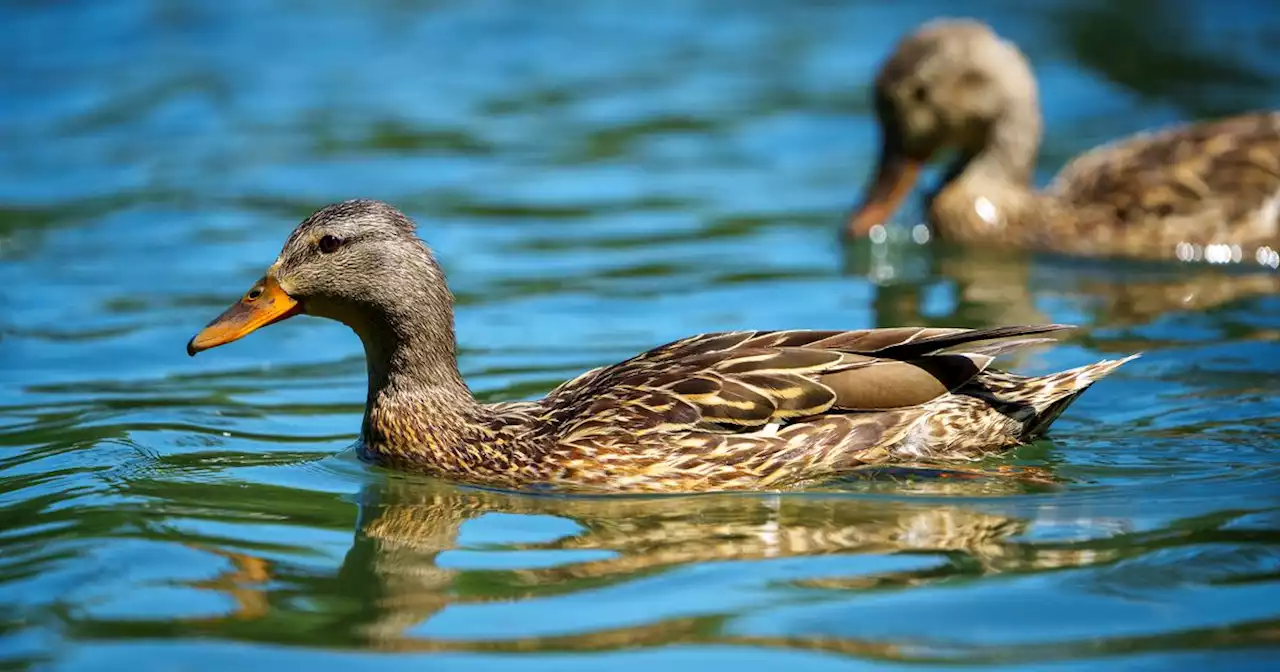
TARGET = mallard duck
x,y
1206,191
725,411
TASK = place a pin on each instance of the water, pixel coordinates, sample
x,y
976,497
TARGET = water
x,y
597,180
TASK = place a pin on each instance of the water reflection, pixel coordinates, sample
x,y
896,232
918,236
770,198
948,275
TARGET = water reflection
x,y
988,287
405,527
423,550
687,176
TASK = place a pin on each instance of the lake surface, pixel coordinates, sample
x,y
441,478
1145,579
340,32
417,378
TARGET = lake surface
x,y
598,178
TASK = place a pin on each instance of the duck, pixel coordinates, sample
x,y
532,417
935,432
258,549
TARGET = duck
x,y
728,411
1207,191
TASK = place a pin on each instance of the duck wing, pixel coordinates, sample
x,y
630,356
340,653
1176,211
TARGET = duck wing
x,y
741,381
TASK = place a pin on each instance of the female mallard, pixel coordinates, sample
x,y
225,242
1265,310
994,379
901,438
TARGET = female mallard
x,y
1204,191
729,411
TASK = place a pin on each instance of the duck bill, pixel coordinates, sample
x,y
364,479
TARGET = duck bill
x,y
895,175
266,303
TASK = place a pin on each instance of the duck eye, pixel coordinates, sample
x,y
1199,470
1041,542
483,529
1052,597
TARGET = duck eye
x,y
329,243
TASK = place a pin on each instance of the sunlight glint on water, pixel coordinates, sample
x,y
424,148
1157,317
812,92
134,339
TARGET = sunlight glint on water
x,y
597,180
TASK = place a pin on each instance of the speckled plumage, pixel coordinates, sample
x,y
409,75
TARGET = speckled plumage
x,y
1201,191
728,411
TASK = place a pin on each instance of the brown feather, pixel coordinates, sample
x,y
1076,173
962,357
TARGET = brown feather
x,y
931,343
778,360
903,384
737,404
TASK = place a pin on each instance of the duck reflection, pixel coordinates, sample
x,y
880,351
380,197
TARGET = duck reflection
x,y
401,570
405,526
987,287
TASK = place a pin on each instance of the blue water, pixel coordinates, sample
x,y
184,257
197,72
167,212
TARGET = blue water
x,y
598,177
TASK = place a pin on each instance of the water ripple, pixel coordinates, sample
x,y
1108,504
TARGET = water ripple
x,y
596,181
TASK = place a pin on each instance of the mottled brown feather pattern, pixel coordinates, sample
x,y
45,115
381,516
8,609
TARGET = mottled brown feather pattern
x,y
693,414
728,411
1203,184
1207,190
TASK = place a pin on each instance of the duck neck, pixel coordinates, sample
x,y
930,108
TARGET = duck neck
x,y
989,192
416,394
1008,156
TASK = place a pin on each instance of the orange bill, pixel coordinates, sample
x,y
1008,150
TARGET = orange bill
x,y
895,176
264,304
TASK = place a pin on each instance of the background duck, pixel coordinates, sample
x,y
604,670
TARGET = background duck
x,y
1208,190
727,411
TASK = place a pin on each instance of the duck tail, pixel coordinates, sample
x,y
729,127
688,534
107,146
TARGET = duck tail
x,y
1051,394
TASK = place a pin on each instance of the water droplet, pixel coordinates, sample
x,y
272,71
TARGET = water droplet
x,y
1218,253
1184,251
1267,257
920,234
986,210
